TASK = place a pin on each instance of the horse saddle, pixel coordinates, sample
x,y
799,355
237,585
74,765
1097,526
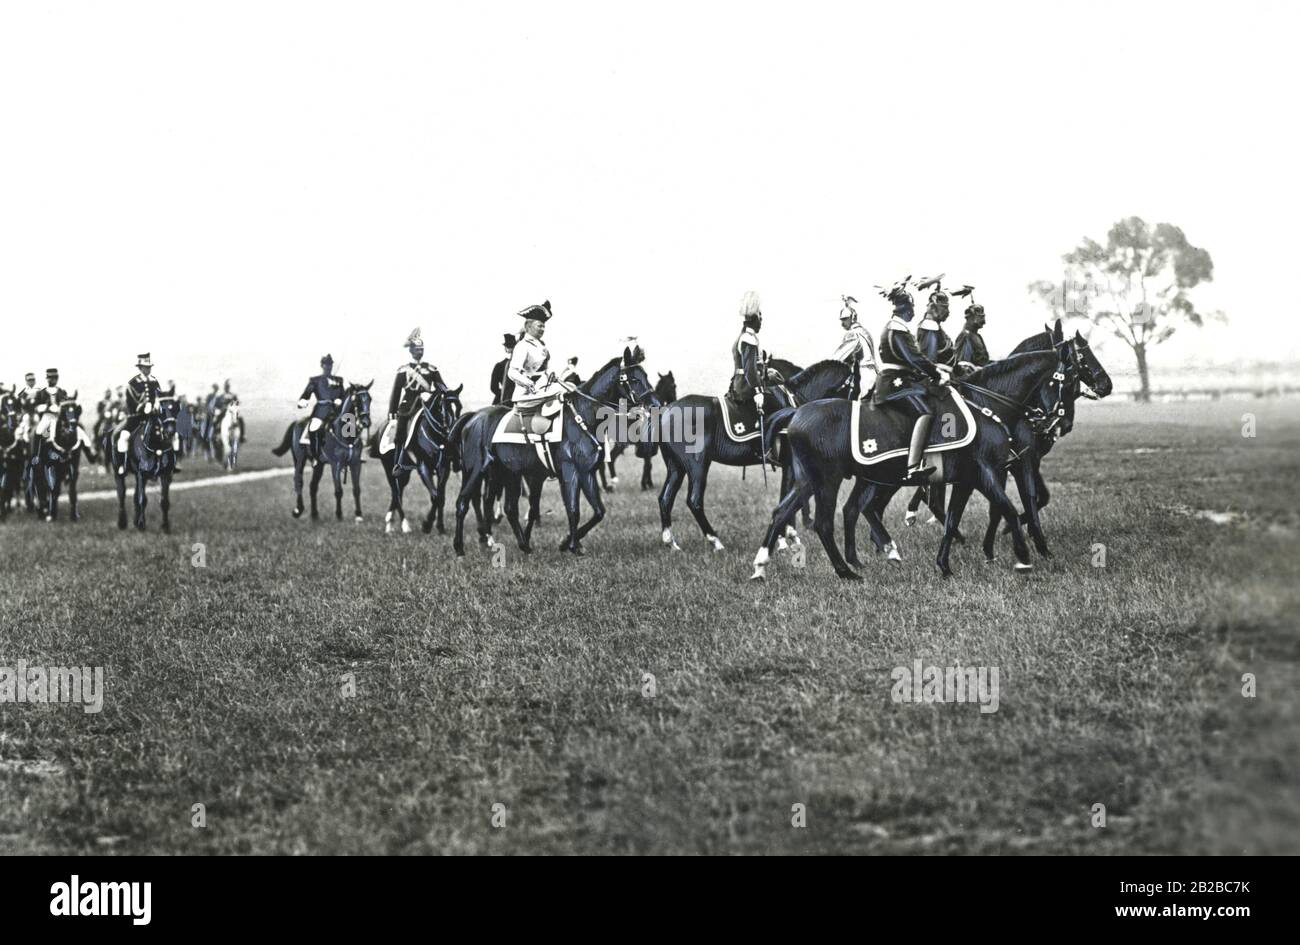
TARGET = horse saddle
x,y
878,434
529,423
740,418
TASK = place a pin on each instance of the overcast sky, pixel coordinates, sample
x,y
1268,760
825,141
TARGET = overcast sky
x,y
240,187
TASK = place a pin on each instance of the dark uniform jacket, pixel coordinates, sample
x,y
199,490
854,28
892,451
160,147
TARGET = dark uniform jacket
x,y
48,399
745,356
326,388
502,387
969,348
904,372
412,380
933,342
140,390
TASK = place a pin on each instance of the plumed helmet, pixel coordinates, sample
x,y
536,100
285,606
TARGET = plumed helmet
x,y
750,305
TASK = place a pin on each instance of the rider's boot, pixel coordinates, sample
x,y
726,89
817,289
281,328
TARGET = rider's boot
x,y
917,471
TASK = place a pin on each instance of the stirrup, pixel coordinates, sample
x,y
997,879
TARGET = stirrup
x,y
920,473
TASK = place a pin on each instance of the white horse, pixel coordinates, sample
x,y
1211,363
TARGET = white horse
x,y
230,434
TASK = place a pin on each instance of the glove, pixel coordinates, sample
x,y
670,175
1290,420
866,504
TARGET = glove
x,y
148,407
302,404
758,399
337,401
392,416
424,397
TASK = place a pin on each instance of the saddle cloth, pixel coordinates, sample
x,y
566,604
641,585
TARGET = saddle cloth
x,y
740,420
511,427
879,434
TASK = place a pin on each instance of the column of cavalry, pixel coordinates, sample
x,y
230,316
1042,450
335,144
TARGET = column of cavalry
x,y
916,410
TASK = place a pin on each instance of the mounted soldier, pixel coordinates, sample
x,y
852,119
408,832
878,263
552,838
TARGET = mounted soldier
x,y
228,397
529,360
415,383
907,378
45,408
856,348
26,397
969,350
931,339
142,393
503,387
746,355
327,388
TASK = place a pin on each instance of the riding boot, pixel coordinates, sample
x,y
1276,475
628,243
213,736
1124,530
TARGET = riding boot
x,y
917,471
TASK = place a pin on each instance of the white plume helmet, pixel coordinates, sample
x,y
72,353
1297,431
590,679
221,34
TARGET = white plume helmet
x,y
414,340
749,305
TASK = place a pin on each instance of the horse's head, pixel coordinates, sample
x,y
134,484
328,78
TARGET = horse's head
x,y
449,406
356,402
666,389
66,422
1089,367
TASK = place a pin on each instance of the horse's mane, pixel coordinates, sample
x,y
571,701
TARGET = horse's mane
x,y
814,371
1014,364
585,386
1039,342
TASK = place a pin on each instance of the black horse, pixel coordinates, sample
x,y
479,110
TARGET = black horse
x,y
666,393
12,452
691,439
432,424
612,392
149,455
818,437
341,447
59,461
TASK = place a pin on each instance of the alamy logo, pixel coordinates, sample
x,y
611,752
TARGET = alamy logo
x,y
78,898
921,684
79,685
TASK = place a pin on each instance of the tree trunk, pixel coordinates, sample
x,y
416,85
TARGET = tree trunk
x,y
1144,373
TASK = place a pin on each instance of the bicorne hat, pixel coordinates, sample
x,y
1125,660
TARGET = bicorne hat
x,y
539,313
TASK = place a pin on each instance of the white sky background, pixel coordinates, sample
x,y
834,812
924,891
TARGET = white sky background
x,y
240,187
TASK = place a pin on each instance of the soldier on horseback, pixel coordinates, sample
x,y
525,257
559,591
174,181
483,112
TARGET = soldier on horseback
x,y
856,347
228,397
45,408
907,378
142,393
931,339
969,350
528,361
746,356
414,384
327,388
502,387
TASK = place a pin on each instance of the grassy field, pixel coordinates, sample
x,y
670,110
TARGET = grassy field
x,y
525,685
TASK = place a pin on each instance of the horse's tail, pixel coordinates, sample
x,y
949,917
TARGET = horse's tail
x,y
774,426
453,440
286,444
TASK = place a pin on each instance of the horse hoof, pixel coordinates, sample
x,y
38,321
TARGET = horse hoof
x,y
358,519
1021,567
578,551
406,527
892,554
122,524
388,528
759,575
427,527
782,545
716,542
853,562
297,513
166,528
850,576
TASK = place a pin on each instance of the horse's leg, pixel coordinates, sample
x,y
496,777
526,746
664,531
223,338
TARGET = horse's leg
x,y
141,500
317,471
824,525
298,461
470,484
961,491
875,516
355,466
854,505
791,534
992,482
336,470
674,474
534,484
510,488
569,488
590,490
647,479
121,498
914,503
164,498
73,471
782,516
1027,485
442,475
431,486
699,477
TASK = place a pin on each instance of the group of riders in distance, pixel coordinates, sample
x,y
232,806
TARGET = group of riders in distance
x,y
139,430
936,415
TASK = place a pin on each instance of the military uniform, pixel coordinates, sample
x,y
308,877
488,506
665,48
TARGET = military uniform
x,y
933,342
45,406
969,349
327,389
527,368
413,380
856,347
906,378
